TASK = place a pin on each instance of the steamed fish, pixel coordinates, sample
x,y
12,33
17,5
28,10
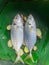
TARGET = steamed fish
x,y
17,35
30,33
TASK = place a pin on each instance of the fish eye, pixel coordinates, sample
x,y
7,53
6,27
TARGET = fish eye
x,y
16,17
14,23
29,23
29,18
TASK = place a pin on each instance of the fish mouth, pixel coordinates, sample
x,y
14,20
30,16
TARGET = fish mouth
x,y
17,16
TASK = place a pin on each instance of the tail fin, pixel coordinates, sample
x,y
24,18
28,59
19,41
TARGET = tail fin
x,y
19,59
29,56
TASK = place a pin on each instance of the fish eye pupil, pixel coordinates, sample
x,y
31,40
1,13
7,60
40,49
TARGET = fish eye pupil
x,y
29,23
14,23
30,18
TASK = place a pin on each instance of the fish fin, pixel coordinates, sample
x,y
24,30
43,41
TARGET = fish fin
x,y
29,56
19,59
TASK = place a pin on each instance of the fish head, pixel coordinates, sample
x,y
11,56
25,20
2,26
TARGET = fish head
x,y
17,21
31,22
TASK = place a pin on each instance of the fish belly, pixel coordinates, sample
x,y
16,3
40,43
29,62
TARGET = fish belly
x,y
30,39
17,38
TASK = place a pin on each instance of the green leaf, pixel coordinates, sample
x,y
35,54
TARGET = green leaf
x,y
6,17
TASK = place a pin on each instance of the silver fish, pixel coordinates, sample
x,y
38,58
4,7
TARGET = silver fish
x,y
30,33
17,34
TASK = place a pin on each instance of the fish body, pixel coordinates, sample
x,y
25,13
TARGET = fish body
x,y
17,34
30,32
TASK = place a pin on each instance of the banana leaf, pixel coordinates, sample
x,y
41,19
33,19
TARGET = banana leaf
x,y
40,11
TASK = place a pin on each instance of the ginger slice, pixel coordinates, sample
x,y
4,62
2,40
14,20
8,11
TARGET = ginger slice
x,y
39,33
26,50
20,52
35,48
9,43
25,18
9,27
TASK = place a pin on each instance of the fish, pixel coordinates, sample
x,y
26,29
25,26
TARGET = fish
x,y
30,33
17,35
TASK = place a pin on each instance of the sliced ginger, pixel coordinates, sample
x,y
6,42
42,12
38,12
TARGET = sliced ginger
x,y
25,18
26,50
9,43
39,33
9,27
35,48
20,52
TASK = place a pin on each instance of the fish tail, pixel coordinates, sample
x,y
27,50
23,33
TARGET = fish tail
x,y
30,56
18,58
